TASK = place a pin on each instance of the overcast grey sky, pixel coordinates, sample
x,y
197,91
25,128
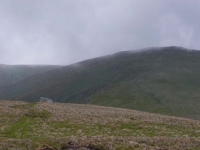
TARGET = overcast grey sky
x,y
68,31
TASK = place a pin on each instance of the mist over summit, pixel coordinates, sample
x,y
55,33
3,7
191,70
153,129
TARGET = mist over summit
x,y
162,80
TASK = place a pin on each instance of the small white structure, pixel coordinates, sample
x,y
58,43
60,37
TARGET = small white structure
x,y
44,99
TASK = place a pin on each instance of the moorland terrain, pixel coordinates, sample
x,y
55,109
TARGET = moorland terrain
x,y
61,126
159,80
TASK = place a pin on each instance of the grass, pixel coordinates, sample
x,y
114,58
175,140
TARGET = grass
x,y
164,81
38,125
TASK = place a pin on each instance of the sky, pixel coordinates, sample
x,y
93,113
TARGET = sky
x,y
63,32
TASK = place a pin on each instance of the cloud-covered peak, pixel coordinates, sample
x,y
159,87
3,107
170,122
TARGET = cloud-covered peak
x,y
65,32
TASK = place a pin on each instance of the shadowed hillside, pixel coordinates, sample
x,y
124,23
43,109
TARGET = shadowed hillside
x,y
10,74
161,80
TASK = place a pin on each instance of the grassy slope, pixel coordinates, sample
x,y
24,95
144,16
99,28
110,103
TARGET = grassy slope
x,y
10,74
163,81
37,125
170,87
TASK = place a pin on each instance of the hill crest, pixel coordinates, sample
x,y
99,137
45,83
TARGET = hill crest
x,y
162,81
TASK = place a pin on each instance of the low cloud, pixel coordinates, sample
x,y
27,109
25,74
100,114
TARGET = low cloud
x,y
68,31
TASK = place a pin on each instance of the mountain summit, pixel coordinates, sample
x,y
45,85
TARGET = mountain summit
x,y
160,80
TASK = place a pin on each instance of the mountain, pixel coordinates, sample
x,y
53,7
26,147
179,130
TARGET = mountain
x,y
10,74
160,80
59,126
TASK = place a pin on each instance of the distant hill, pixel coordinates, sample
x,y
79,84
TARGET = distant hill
x,y
10,74
161,80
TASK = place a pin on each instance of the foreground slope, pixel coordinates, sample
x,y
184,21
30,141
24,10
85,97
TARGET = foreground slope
x,y
161,80
10,74
30,126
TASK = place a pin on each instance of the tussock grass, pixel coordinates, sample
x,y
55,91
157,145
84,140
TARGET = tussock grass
x,y
54,125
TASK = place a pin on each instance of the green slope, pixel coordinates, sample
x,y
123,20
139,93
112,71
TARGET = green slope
x,y
171,87
10,74
162,80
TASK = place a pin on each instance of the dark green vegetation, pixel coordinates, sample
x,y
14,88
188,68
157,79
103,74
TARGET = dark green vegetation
x,y
30,126
10,74
162,80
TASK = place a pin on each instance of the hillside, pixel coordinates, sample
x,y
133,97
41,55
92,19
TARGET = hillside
x,y
160,80
10,74
59,126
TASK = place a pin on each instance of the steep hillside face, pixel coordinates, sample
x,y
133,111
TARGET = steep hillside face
x,y
171,86
10,74
162,80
